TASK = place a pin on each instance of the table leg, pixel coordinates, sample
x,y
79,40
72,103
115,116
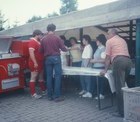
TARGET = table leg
x,y
99,102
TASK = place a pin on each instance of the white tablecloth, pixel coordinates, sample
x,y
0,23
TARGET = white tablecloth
x,y
90,72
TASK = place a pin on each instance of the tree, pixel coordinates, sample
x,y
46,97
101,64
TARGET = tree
x,y
54,14
2,21
68,6
15,23
34,18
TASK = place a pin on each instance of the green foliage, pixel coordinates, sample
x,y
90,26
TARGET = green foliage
x,y
34,18
15,23
68,6
2,21
54,14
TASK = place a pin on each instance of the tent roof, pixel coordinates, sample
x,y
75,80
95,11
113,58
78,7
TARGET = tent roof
x,y
100,16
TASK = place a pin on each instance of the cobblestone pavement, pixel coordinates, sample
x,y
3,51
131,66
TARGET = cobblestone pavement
x,y
20,107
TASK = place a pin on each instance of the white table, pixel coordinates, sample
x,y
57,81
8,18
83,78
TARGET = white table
x,y
91,72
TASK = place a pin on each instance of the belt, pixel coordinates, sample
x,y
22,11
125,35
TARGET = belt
x,y
98,67
51,55
121,56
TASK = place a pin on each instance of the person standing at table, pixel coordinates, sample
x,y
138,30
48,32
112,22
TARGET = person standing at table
x,y
117,53
99,63
86,56
75,59
75,52
51,45
36,63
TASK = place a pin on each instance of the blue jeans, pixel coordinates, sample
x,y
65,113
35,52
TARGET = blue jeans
x,y
53,67
86,83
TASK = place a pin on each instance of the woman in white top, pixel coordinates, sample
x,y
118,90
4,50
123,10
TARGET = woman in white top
x,y
86,56
99,63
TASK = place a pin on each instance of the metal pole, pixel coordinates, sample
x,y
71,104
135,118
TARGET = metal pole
x,y
98,94
131,38
81,34
137,71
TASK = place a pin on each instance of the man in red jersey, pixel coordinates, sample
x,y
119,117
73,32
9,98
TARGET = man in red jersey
x,y
36,63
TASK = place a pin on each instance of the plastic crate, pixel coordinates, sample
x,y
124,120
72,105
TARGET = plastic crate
x,y
131,104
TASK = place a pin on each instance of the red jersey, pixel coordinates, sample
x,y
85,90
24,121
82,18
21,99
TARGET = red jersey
x,y
35,45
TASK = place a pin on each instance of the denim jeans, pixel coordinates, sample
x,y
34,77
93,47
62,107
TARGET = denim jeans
x,y
53,71
85,80
86,83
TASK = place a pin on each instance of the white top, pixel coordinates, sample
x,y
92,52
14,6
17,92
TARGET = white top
x,y
87,53
63,58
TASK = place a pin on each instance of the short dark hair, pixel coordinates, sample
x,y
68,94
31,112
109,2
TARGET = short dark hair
x,y
51,27
101,38
63,37
87,38
73,38
37,32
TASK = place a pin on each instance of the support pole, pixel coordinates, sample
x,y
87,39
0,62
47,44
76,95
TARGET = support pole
x,y
137,71
81,34
131,39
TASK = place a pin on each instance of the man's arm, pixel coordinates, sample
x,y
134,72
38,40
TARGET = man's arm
x,y
62,46
107,62
32,56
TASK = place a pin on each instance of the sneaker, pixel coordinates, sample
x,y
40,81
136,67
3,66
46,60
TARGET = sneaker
x,y
88,94
59,99
101,97
50,99
116,114
36,96
44,93
82,92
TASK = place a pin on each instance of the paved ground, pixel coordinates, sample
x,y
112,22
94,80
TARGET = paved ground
x,y
20,107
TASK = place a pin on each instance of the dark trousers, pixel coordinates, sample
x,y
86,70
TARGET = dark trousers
x,y
121,68
101,81
76,78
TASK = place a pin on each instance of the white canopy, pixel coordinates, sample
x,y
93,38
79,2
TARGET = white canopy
x,y
122,10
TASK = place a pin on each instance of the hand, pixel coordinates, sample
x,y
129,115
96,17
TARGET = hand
x,y
103,72
35,65
68,48
92,61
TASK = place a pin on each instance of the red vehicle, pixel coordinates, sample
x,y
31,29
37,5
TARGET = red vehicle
x,y
13,62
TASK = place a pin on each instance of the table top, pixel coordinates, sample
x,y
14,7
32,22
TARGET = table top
x,y
81,71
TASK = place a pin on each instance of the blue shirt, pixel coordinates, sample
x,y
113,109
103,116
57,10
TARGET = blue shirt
x,y
98,56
